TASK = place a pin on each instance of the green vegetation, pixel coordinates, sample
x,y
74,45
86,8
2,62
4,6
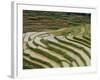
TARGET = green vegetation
x,y
56,39
37,21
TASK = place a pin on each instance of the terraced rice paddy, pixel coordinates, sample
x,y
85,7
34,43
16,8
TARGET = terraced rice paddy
x,y
65,46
